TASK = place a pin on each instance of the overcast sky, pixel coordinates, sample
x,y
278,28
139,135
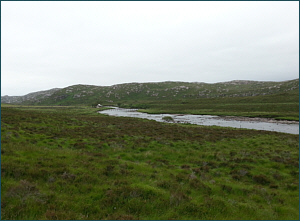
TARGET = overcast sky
x,y
46,45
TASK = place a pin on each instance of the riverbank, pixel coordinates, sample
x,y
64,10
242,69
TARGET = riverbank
x,y
284,106
259,119
292,117
283,126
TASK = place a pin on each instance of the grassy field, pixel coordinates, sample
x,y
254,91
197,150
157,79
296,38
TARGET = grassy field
x,y
283,106
72,163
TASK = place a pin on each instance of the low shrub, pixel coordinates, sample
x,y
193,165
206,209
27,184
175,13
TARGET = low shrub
x,y
261,179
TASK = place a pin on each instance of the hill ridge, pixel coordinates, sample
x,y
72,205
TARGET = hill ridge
x,y
83,94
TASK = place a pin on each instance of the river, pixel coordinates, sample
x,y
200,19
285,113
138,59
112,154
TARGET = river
x,y
208,120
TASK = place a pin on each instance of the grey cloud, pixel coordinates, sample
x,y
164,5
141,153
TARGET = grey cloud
x,y
57,44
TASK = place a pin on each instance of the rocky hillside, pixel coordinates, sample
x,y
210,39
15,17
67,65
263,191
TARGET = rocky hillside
x,y
91,95
31,97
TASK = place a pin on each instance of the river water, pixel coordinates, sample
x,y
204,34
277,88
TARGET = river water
x,y
208,120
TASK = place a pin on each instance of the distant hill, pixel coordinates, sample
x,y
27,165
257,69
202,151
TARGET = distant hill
x,y
31,97
91,95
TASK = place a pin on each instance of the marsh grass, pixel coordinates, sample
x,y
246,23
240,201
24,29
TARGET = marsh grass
x,y
282,106
70,163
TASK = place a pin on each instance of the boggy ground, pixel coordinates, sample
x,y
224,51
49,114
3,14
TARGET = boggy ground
x,y
70,163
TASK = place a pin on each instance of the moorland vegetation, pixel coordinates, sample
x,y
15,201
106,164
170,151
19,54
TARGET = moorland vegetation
x,y
155,92
69,162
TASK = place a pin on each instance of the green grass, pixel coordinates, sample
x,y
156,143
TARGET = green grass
x,y
72,163
283,106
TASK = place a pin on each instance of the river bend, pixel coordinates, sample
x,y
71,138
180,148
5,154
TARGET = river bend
x,y
208,120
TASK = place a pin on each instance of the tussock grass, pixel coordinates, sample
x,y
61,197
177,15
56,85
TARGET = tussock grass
x,y
70,163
